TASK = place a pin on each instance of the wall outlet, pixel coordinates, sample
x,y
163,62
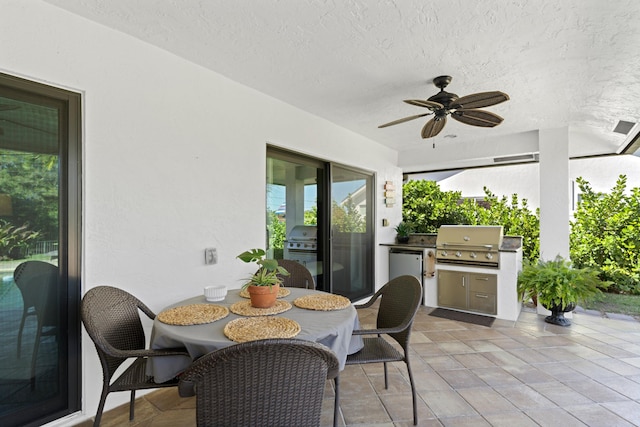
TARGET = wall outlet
x,y
210,256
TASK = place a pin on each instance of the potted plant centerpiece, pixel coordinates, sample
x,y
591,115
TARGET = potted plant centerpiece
x,y
403,229
264,284
559,286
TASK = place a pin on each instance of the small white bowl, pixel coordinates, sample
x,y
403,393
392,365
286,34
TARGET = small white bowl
x,y
215,293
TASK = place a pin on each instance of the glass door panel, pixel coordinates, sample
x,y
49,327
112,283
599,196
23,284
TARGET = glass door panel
x,y
292,210
351,232
35,330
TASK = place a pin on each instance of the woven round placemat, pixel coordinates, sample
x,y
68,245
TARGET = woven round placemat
x,y
282,292
258,328
194,314
244,308
323,302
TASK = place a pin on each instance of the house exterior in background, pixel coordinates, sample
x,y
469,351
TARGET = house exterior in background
x,y
523,179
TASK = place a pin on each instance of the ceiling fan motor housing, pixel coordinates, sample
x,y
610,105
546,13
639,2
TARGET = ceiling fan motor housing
x,y
444,98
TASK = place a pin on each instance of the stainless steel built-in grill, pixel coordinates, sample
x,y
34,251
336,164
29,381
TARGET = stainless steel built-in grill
x,y
470,289
474,245
302,244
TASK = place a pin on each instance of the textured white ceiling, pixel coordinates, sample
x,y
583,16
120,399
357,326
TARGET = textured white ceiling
x,y
573,63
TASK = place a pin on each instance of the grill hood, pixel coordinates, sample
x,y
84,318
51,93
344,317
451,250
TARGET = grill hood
x,y
486,237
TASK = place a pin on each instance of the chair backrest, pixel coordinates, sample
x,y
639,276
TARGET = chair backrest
x,y
273,382
399,304
38,284
299,276
112,320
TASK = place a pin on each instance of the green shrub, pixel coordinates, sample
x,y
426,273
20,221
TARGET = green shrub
x,y
605,234
14,241
427,208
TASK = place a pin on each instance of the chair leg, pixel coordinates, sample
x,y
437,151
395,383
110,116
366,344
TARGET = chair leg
x,y
19,349
34,356
413,394
132,405
336,405
103,399
386,379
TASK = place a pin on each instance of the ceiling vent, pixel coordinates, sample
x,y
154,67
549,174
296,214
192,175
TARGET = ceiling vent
x,y
521,158
624,127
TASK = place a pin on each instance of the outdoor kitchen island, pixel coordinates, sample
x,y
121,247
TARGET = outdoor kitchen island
x,y
467,275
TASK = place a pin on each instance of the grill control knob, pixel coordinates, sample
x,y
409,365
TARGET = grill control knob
x,y
444,253
473,255
489,256
459,254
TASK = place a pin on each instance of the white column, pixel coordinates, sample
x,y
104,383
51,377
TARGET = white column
x,y
555,195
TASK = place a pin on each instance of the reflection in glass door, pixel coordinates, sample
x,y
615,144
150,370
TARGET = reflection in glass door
x,y
338,234
38,376
352,236
293,223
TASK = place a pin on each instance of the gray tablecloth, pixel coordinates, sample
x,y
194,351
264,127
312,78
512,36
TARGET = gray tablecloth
x,y
331,328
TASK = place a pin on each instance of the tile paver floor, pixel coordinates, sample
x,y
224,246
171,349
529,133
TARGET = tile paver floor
x,y
524,373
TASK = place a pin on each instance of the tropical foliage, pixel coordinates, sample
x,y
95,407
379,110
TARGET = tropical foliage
x,y
31,180
605,231
404,228
277,230
605,234
346,218
427,207
558,283
269,272
14,241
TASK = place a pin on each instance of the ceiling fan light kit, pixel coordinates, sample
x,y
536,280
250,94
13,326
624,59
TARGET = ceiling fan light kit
x,y
465,109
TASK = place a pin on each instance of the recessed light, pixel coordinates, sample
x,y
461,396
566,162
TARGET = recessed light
x,y
451,136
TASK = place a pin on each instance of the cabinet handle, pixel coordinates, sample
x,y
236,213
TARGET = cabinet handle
x,y
484,279
482,296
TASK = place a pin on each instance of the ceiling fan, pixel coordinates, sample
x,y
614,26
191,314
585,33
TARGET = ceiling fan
x,y
464,110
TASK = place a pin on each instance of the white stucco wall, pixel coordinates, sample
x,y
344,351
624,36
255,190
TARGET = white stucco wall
x,y
173,160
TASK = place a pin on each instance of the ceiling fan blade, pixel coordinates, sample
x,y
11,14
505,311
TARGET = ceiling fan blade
x,y
433,127
426,104
406,119
480,118
480,100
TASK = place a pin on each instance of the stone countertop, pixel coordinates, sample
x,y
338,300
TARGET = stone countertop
x,y
428,240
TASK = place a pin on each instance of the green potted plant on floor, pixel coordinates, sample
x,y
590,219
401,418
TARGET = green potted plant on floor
x,y
264,284
403,229
559,286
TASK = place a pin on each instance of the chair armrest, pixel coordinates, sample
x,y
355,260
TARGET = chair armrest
x,y
366,304
147,352
379,331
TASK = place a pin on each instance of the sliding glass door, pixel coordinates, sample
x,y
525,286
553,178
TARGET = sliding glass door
x,y
39,252
339,254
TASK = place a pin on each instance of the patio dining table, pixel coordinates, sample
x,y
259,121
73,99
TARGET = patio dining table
x,y
331,328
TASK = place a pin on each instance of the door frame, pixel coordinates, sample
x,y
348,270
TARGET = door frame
x,y
69,240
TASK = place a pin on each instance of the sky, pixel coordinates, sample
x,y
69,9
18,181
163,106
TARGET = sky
x,y
276,194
